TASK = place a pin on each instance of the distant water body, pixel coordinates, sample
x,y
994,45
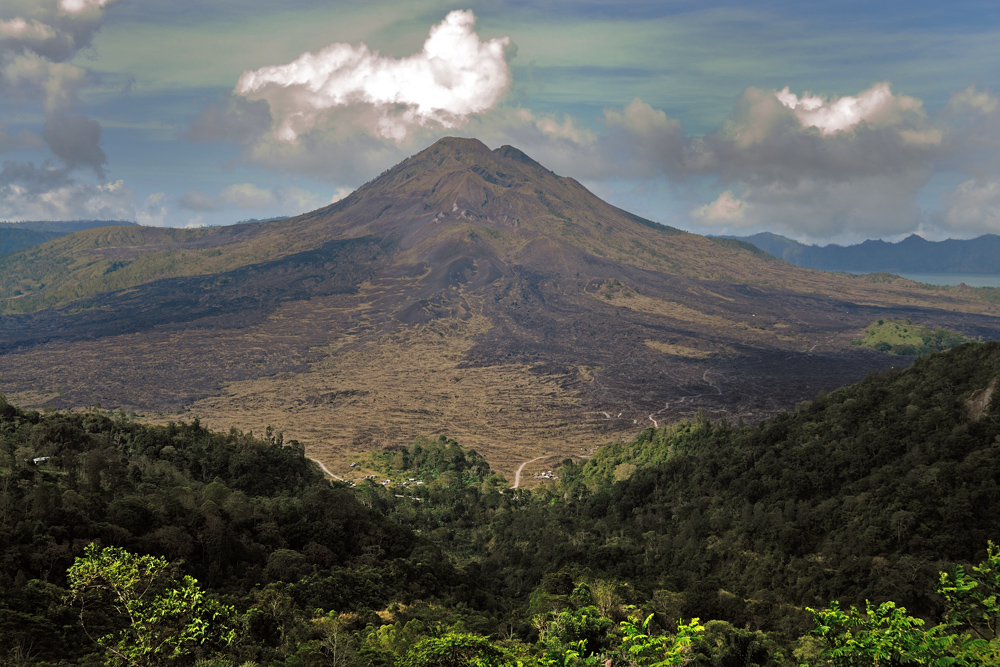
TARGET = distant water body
x,y
970,279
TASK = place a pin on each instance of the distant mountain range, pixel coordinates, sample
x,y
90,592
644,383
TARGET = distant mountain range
x,y
15,236
911,255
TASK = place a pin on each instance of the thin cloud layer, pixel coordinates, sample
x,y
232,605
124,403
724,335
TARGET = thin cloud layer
x,y
37,39
28,192
973,205
455,74
20,140
196,200
248,195
282,200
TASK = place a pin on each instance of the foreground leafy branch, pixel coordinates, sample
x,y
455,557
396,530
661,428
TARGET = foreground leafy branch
x,y
885,635
643,648
161,619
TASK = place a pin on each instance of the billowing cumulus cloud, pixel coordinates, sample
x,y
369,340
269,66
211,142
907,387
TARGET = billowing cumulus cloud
x,y
455,75
806,163
80,6
54,30
822,168
875,106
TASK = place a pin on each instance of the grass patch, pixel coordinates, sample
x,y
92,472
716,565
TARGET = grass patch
x,y
906,338
679,350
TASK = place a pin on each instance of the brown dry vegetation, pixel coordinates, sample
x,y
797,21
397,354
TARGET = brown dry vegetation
x,y
356,398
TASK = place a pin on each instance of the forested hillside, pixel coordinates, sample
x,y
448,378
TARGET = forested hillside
x,y
863,493
16,236
13,239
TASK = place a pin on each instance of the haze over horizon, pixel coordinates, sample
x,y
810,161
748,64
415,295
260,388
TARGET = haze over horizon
x,y
832,123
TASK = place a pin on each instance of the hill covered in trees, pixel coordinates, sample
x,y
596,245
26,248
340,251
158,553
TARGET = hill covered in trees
x,y
16,236
864,493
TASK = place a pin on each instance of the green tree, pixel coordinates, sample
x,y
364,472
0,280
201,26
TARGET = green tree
x,y
643,648
456,650
882,636
158,618
974,607
568,633
886,635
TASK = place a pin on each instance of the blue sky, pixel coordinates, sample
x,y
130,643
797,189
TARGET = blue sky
x,y
827,122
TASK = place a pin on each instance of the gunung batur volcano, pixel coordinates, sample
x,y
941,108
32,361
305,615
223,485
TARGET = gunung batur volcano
x,y
465,292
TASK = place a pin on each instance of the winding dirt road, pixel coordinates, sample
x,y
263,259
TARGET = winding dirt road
x,y
517,475
325,469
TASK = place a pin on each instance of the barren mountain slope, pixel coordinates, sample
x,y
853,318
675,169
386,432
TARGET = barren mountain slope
x,y
467,292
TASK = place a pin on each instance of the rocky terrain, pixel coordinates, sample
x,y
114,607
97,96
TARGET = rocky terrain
x,y
465,292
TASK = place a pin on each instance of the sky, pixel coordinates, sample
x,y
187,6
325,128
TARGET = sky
x,y
827,122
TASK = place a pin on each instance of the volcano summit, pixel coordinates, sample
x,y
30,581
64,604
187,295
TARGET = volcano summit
x,y
466,291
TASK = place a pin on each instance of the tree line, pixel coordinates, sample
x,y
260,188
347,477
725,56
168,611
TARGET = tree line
x,y
863,495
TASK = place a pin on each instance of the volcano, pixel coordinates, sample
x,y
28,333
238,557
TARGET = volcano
x,y
465,292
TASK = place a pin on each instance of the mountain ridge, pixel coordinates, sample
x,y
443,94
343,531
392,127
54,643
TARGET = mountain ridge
x,y
16,236
914,254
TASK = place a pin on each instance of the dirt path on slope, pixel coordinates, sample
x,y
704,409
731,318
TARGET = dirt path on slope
x,y
325,469
517,475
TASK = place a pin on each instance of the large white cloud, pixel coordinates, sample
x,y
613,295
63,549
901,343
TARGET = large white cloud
x,y
455,74
83,6
875,106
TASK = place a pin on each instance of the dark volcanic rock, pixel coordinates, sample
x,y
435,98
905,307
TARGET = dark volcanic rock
x,y
634,320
